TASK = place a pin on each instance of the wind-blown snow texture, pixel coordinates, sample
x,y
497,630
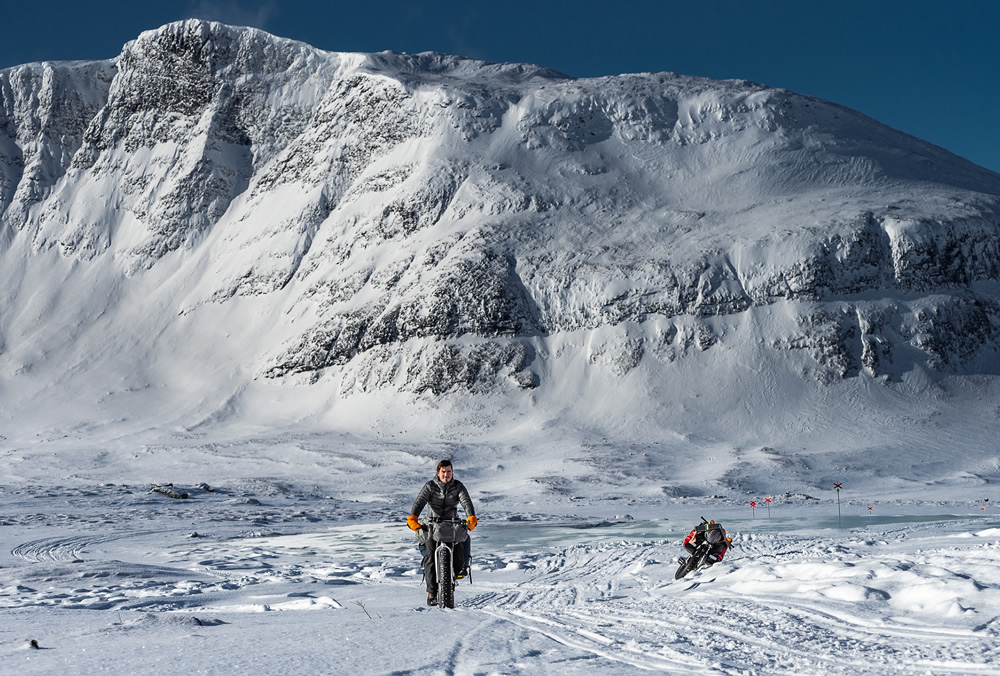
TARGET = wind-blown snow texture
x,y
302,277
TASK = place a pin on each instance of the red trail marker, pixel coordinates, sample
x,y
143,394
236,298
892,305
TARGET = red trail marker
x,y
838,487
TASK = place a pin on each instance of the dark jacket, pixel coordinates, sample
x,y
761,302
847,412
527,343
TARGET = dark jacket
x,y
697,536
442,499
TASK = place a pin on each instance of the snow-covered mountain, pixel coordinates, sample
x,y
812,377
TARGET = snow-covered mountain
x,y
286,282
221,223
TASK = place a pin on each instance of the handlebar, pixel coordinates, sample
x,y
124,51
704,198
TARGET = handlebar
x,y
435,519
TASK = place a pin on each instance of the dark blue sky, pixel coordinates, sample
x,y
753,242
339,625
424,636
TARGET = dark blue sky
x,y
928,68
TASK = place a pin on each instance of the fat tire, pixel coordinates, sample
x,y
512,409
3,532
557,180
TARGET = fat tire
x,y
446,578
683,570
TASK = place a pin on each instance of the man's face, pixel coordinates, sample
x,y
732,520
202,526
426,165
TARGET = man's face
x,y
446,473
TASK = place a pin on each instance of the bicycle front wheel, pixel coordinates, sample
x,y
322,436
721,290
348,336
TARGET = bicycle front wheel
x,y
446,578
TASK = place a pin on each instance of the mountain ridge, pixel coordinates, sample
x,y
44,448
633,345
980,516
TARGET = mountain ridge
x,y
433,226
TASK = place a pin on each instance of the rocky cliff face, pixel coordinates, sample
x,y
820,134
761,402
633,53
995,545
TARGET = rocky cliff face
x,y
429,223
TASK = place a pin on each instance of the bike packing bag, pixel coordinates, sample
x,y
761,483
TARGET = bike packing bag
x,y
447,531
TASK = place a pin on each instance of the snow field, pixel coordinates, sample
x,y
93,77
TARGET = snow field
x,y
117,579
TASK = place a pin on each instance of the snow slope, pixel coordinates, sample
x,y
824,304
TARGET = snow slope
x,y
221,225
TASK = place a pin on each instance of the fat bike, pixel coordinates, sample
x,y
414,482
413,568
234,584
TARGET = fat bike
x,y
447,533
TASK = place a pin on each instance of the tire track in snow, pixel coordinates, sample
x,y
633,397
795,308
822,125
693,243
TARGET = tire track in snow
x,y
626,607
584,576
68,549
594,642
61,549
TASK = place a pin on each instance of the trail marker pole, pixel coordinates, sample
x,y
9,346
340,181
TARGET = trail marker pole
x,y
753,508
767,501
838,487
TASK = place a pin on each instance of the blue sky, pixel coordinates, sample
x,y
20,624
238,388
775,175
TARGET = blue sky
x,y
931,69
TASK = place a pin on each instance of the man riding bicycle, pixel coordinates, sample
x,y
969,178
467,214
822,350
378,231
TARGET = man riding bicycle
x,y
442,495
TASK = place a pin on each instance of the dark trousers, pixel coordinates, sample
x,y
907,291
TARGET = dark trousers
x,y
458,561
714,549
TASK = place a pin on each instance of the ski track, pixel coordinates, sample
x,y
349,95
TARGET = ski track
x,y
781,602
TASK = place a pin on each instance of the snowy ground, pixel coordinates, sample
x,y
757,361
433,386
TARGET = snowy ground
x,y
279,576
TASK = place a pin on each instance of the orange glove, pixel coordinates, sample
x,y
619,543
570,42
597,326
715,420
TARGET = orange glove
x,y
472,521
412,522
